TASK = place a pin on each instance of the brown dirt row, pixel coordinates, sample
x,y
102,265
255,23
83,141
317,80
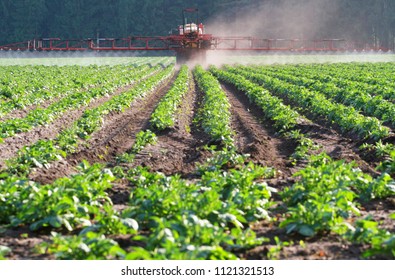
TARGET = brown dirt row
x,y
178,149
333,143
256,137
23,242
324,247
338,146
22,113
11,145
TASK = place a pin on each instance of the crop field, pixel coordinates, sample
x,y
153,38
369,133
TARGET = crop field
x,y
139,159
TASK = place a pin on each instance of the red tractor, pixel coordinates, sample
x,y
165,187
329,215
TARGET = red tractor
x,y
192,40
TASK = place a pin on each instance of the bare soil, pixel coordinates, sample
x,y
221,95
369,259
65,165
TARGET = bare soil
x,y
257,137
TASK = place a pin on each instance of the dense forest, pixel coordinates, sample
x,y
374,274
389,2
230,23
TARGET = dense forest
x,y
370,21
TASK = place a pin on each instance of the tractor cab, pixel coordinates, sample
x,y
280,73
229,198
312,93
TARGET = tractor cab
x,y
190,28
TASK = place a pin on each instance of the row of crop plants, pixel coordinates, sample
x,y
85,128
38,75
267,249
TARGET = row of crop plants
x,y
163,116
214,114
211,217
370,80
349,95
23,86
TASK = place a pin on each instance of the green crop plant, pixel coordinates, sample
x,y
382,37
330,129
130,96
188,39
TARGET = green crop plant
x,y
367,231
143,138
67,203
215,113
89,246
326,195
163,116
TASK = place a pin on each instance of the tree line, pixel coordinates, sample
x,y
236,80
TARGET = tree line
x,y
368,21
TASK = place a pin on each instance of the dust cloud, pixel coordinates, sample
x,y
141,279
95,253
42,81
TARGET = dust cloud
x,y
283,19
268,19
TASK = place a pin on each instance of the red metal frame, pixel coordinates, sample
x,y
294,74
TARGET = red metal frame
x,y
177,42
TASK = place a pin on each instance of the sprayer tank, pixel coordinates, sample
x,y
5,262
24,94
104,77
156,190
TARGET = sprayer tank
x,y
191,28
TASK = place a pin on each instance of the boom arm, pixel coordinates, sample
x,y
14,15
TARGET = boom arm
x,y
177,42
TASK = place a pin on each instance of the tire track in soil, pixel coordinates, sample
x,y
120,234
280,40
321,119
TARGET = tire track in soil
x,y
116,136
179,149
11,145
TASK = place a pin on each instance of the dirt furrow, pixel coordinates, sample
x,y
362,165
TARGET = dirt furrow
x,y
256,137
23,243
22,113
337,146
179,149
